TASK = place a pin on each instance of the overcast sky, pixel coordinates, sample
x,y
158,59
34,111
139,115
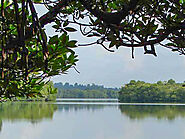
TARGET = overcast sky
x,y
96,65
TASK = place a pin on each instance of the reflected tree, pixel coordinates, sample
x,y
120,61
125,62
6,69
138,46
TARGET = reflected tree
x,y
33,112
77,108
0,125
158,112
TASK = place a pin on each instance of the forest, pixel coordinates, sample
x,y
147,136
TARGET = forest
x,y
162,91
85,91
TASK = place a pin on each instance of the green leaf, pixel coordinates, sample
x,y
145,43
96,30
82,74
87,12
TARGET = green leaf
x,y
70,29
56,26
72,44
58,22
112,44
54,39
182,1
154,28
37,1
64,38
66,23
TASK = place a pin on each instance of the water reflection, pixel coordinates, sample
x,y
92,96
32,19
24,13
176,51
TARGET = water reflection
x,y
79,107
35,112
92,121
26,111
0,125
159,112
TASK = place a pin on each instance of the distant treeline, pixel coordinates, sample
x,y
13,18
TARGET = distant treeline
x,y
165,92
85,91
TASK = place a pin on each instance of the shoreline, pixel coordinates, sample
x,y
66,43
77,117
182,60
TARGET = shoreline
x,y
97,101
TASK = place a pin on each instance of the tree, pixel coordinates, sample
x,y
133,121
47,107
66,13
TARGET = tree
x,y
28,56
171,81
49,92
162,92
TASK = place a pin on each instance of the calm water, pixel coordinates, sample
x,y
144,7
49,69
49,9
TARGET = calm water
x,y
91,120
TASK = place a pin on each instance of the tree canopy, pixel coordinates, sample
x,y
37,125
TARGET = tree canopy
x,y
28,56
160,92
85,91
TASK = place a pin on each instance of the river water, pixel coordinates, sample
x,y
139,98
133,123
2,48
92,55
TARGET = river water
x,y
91,119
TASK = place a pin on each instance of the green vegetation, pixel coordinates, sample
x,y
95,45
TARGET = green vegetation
x,y
28,55
159,112
165,92
49,92
85,91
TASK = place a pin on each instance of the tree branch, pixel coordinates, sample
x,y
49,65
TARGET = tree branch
x,y
157,40
110,18
44,20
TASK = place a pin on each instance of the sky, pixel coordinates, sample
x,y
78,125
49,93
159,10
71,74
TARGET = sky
x,y
96,65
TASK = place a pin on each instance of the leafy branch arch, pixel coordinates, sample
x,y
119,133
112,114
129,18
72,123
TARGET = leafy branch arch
x,y
28,57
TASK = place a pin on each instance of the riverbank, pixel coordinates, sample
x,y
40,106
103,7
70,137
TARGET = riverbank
x,y
27,100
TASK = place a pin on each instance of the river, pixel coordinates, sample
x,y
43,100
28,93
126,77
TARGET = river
x,y
91,119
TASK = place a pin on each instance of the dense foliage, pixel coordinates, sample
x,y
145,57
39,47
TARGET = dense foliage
x,y
46,93
85,91
139,91
49,92
28,55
